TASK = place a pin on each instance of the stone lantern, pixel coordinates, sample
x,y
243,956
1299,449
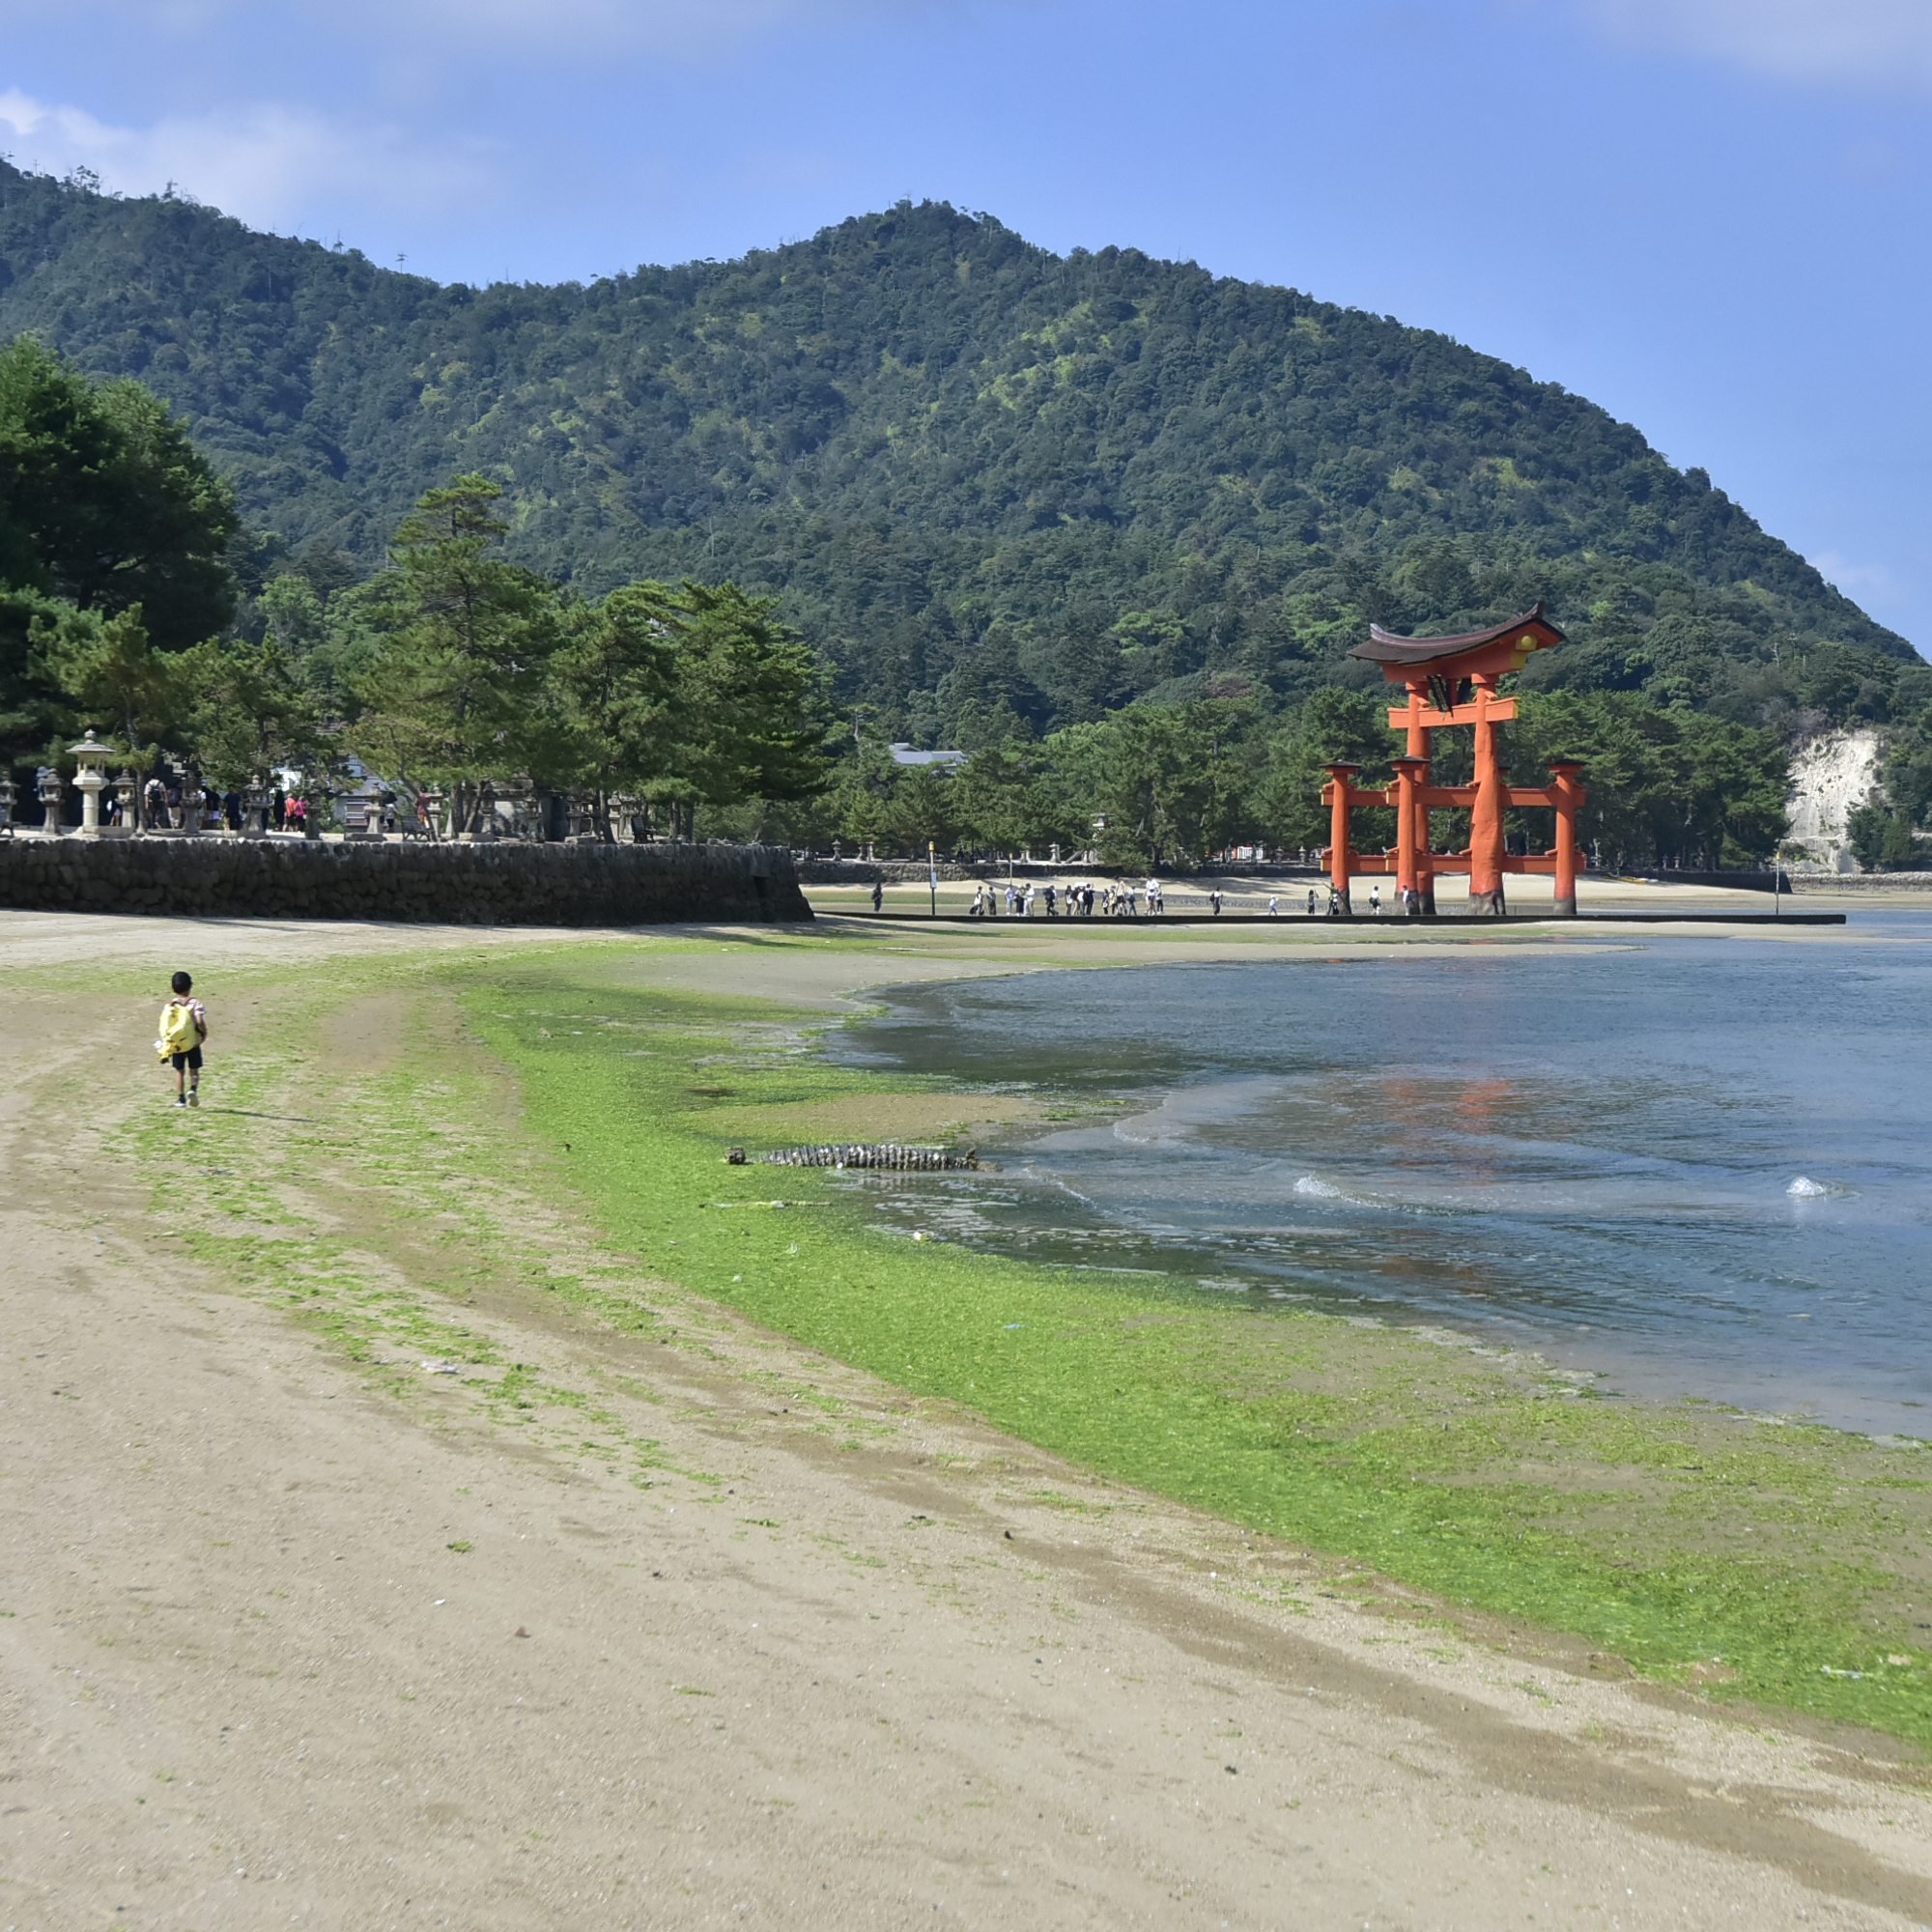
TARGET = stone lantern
x,y
255,805
6,800
90,777
485,820
518,798
50,803
129,785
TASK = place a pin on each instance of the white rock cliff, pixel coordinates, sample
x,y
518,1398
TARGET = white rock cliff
x,y
1830,778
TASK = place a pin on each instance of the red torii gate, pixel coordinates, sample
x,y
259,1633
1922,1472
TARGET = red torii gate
x,y
1434,671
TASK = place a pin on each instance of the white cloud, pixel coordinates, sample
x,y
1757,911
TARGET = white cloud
x,y
1864,581
270,165
1885,40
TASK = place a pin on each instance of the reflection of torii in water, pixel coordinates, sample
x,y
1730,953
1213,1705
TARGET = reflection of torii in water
x,y
1435,671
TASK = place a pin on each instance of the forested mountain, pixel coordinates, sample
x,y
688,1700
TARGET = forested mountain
x,y
1001,490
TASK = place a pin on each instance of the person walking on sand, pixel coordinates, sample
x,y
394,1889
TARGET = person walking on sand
x,y
1311,902
1274,906
878,894
1376,900
184,1028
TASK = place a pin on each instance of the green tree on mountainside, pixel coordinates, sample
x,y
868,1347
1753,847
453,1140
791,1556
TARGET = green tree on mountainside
x,y
1880,837
1332,727
249,712
922,811
617,676
752,711
453,691
108,667
296,614
1662,782
1007,800
1167,781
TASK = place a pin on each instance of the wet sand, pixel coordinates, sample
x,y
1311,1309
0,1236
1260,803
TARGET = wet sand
x,y
846,1660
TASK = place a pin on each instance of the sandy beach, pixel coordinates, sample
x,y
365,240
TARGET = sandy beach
x,y
292,1635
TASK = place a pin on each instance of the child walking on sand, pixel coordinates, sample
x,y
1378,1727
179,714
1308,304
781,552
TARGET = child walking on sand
x,y
184,1028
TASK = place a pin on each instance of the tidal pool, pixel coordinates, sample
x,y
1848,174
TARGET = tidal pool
x,y
1698,1166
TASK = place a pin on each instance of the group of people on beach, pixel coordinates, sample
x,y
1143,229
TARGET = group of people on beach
x,y
1081,900
1410,900
1084,900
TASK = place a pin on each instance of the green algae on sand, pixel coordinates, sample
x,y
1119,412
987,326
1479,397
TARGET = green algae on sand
x,y
1782,1563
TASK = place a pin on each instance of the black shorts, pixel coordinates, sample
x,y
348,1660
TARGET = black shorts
x,y
192,1058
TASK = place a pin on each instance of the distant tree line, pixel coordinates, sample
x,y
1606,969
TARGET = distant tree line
x,y
1162,786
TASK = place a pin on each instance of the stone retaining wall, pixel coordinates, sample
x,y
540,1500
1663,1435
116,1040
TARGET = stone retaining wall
x,y
1861,882
488,884
1733,882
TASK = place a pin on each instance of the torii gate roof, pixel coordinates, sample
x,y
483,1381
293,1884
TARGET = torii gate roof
x,y
1504,647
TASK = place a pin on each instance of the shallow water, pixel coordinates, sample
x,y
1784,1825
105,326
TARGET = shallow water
x,y
1697,1165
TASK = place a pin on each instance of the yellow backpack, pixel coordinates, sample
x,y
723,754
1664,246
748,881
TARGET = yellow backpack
x,y
177,1032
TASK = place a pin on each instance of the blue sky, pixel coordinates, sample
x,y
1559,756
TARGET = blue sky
x,y
1709,216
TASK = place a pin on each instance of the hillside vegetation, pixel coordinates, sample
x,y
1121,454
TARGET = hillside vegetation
x,y
1110,524
1003,492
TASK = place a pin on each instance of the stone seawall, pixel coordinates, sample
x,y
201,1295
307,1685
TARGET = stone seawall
x,y
492,884
1861,882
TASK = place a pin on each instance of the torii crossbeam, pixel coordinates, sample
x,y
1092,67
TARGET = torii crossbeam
x,y
1436,671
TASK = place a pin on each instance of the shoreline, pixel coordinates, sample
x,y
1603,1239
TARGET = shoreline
x,y
1627,1364
1519,1531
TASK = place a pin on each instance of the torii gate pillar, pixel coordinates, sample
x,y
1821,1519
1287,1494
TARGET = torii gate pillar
x,y
1566,796
1486,814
